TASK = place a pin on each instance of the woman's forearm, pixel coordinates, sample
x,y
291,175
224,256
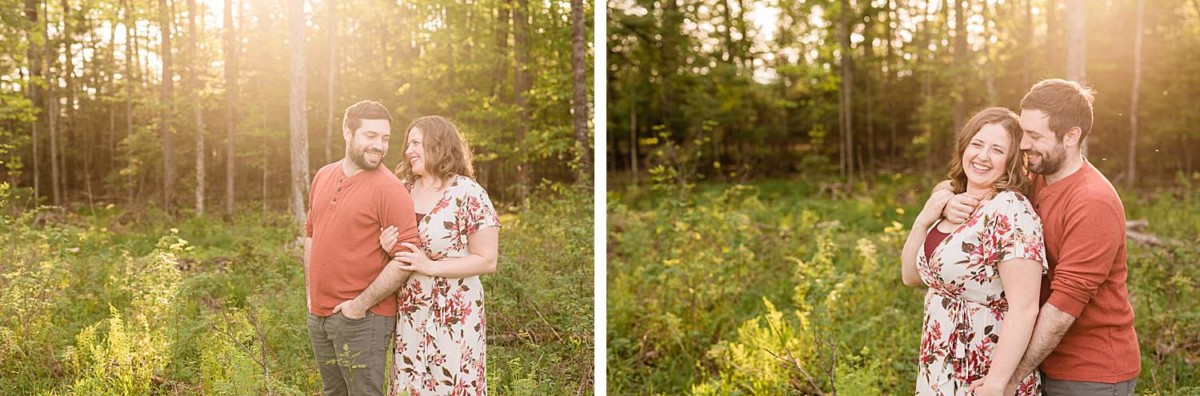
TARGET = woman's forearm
x,y
1022,284
1014,337
908,256
462,267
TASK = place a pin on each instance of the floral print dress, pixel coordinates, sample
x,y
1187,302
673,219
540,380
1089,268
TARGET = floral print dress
x,y
440,327
965,304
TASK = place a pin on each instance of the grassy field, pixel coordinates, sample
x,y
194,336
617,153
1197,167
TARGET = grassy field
x,y
792,287
109,301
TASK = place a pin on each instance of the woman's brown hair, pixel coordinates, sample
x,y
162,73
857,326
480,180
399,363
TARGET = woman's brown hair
x,y
1014,178
446,151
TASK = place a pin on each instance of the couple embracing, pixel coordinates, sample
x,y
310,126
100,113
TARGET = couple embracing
x,y
1024,260
394,258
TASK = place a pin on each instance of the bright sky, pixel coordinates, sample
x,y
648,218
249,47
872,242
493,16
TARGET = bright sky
x,y
764,15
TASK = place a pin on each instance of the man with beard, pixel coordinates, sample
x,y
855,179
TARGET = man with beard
x,y
348,278
1084,338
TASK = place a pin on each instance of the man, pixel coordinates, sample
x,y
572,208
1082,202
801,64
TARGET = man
x,y
349,281
1084,337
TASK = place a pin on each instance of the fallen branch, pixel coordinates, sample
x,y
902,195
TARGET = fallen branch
x,y
533,336
1146,238
539,314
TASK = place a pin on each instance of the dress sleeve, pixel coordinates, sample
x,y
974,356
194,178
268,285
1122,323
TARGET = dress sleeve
x,y
477,210
1016,232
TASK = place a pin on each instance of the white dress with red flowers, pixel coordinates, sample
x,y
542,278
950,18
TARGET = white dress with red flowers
x,y
440,327
965,304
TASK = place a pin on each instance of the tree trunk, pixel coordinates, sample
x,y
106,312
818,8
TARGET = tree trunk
x,y
231,88
503,21
988,69
197,112
1027,45
867,148
262,121
521,85
633,141
890,81
130,45
926,83
579,70
168,91
1077,46
52,109
110,162
298,114
35,93
329,124
960,63
1137,87
67,122
846,108
51,104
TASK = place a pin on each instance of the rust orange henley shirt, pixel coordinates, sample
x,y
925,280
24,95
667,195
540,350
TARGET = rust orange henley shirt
x,y
345,217
1084,224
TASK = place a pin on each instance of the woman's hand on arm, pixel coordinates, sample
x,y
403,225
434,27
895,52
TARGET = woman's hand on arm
x,y
388,237
933,208
483,248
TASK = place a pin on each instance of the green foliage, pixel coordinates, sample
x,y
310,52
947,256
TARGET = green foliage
x,y
769,74
134,350
225,368
459,59
539,301
774,288
105,302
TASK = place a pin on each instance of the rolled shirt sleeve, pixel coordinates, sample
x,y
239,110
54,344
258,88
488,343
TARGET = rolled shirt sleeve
x,y
1092,237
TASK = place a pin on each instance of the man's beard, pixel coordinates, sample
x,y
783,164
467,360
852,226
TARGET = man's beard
x,y
359,156
1050,162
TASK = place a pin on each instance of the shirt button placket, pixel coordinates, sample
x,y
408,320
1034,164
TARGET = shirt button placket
x,y
333,201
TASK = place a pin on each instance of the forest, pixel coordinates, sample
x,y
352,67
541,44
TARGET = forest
x,y
100,105
732,89
156,155
776,153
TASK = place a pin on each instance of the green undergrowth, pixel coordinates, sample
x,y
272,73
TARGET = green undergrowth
x,y
104,301
792,287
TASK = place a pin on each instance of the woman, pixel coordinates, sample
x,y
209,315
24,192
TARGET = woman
x,y
983,275
440,326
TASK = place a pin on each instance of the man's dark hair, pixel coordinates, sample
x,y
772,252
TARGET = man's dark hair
x,y
364,110
1067,103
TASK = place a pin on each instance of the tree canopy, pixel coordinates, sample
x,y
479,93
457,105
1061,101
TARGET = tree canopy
x,y
730,88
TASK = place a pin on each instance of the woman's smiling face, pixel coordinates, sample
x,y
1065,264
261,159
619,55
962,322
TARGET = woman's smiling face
x,y
986,158
415,152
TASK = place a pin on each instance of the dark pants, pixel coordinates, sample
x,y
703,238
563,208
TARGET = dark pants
x,y
1053,387
352,354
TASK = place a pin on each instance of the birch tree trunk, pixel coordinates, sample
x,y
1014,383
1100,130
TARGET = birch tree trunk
x,y
579,101
846,108
1137,87
168,92
197,111
1077,46
231,90
298,114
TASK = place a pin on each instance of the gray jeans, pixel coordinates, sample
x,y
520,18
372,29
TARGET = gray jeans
x,y
352,354
1053,387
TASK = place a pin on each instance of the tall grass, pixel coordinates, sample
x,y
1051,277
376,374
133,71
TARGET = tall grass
x,y
107,301
792,287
